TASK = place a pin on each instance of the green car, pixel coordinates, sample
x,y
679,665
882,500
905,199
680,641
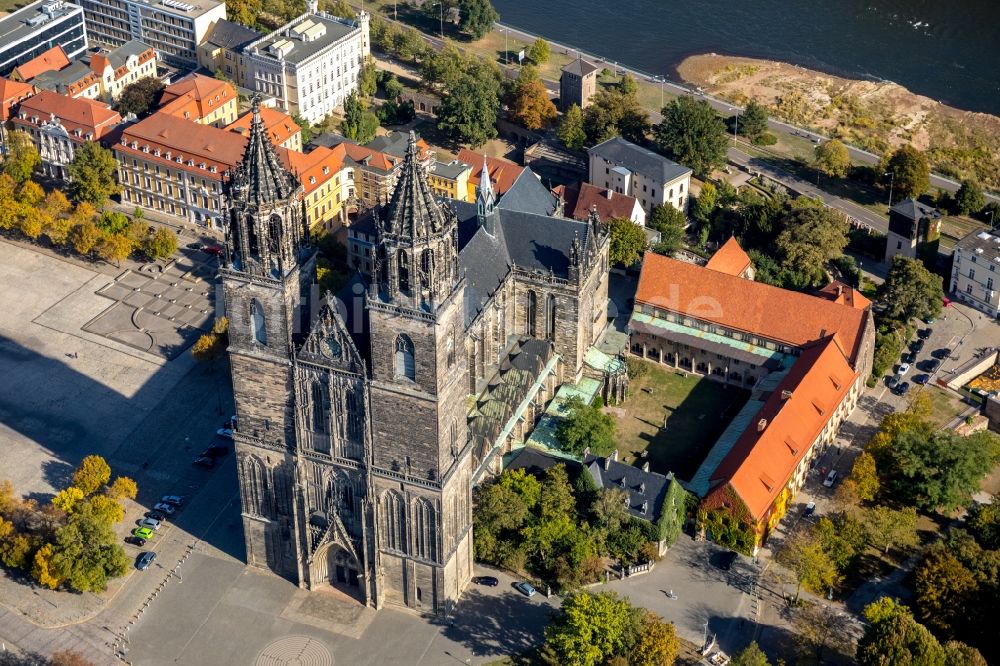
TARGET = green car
x,y
142,533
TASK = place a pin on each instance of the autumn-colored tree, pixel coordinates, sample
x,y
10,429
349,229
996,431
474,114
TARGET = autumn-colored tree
x,y
211,345
944,591
107,509
30,194
56,203
67,499
91,475
84,237
864,476
33,222
833,159
751,655
114,248
17,550
811,566
123,488
83,212
529,103
9,209
160,244
40,569
887,527
22,156
657,643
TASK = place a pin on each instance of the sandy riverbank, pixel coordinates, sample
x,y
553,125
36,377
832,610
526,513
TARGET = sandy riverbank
x,y
878,116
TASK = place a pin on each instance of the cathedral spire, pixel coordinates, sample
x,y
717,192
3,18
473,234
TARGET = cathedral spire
x,y
486,201
260,172
412,211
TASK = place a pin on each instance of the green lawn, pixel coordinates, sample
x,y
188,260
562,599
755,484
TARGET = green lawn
x,y
697,411
945,406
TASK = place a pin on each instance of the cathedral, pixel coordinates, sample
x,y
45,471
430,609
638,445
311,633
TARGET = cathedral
x,y
365,418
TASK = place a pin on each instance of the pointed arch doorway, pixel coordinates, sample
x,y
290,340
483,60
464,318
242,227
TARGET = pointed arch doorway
x,y
338,567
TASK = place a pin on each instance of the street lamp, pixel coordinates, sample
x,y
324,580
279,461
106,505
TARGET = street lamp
x,y
892,179
736,126
992,218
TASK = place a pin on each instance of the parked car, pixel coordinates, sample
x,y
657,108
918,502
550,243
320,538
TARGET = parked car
x,y
151,523
525,588
942,353
212,249
144,560
917,345
925,333
830,479
810,509
921,379
143,533
173,500
205,461
193,246
931,365
135,541
165,508
902,389
156,515
908,358
490,581
903,369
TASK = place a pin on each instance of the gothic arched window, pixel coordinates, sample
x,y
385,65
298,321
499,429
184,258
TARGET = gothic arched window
x,y
425,534
426,267
404,271
394,515
257,322
550,313
531,311
318,400
405,367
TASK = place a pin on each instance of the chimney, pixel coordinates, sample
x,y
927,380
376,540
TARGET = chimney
x,y
840,290
614,456
761,425
607,463
645,466
786,395
610,193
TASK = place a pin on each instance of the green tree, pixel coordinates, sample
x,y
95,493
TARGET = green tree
x,y
571,131
628,241
92,173
590,628
703,205
444,66
887,527
368,78
983,522
752,123
305,127
944,591
529,104
22,156
672,225
478,17
585,427
539,52
960,654
833,159
469,110
912,172
140,96
627,86
86,553
811,238
969,199
843,538
556,494
910,290
657,643
393,88
897,638
751,655
244,11
610,508
84,237
613,112
161,244
359,124
91,475
339,8
808,562
693,134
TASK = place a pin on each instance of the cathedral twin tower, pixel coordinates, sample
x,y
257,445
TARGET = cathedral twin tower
x,y
352,443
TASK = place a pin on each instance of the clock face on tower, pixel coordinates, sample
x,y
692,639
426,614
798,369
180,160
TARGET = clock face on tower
x,y
332,349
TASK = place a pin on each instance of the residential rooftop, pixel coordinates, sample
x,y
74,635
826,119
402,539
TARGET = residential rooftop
x,y
984,245
637,159
580,199
303,38
25,21
229,35
729,259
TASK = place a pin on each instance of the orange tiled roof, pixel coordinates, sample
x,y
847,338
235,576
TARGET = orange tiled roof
x,y
280,126
503,172
372,158
86,115
197,95
729,259
761,462
581,198
744,305
12,92
838,292
175,137
53,59
308,166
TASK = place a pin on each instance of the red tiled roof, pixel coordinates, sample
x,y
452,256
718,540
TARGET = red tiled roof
x,y
761,462
310,165
191,141
770,312
369,157
53,59
838,292
729,259
11,93
280,126
581,198
81,114
503,172
198,95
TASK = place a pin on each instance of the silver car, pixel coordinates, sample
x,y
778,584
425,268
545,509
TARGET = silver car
x,y
151,523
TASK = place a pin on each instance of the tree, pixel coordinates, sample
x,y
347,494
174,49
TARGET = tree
x,y
393,88
359,124
91,475
833,159
56,203
702,206
478,17
864,476
751,655
657,643
123,488
811,238
140,96
107,509
613,112
910,290
672,225
469,111
809,563
92,173
114,248
944,591
911,172
84,237
244,11
67,499
818,628
33,221
887,527
590,628
610,508
368,78
983,523
9,207
210,346
752,123
585,427
529,104
30,194
628,241
41,568
161,244
22,156
960,654
555,498
445,66
693,134
539,51
896,638
305,127
571,131
969,199
86,553
627,86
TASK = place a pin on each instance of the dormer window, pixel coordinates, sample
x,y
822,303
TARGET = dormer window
x,y
145,149
312,179
190,163
157,152
135,145
212,169
179,159
202,166
326,170
167,155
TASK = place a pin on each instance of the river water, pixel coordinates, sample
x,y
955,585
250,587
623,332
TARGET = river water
x,y
947,50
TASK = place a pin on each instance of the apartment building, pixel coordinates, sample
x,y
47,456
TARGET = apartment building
x,y
327,177
625,168
57,124
222,47
450,179
174,28
12,93
280,128
31,31
975,271
102,74
201,99
309,65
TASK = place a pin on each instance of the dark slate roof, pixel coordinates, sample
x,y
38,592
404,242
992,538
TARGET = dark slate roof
x,y
912,209
645,489
482,259
393,143
580,67
119,56
638,159
536,462
528,195
541,243
231,35
328,140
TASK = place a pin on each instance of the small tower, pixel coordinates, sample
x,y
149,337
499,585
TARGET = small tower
x,y
486,202
312,7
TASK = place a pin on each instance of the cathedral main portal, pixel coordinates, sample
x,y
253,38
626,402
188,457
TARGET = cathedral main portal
x,y
336,566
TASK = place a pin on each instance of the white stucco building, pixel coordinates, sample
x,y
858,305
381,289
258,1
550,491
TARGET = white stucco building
x,y
623,167
975,271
